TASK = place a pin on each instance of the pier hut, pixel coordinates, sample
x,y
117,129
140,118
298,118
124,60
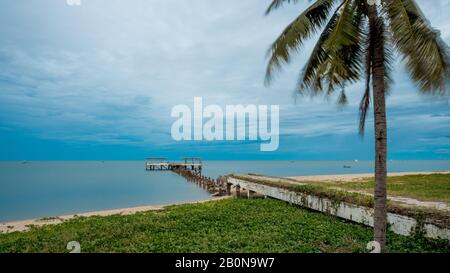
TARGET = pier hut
x,y
194,164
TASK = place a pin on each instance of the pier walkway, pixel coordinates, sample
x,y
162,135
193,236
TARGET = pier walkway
x,y
191,169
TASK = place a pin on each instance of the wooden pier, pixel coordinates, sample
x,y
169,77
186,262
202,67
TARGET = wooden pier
x,y
162,164
191,169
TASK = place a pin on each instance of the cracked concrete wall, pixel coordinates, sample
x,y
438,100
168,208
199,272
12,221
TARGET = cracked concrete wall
x,y
399,224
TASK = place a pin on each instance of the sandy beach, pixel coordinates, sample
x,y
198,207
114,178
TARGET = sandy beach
x,y
352,177
24,225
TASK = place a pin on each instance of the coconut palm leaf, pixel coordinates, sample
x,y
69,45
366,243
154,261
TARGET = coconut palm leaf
x,y
370,41
292,38
336,58
278,3
308,80
427,56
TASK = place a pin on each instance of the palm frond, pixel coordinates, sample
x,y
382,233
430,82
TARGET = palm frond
x,y
376,38
318,56
278,3
336,58
365,101
427,56
388,60
342,99
345,32
293,36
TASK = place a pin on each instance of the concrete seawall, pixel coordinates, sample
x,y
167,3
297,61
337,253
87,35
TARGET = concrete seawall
x,y
399,224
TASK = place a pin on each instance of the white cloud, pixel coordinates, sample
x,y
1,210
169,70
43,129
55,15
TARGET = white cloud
x,y
109,71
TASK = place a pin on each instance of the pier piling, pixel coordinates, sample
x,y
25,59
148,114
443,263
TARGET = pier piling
x,y
191,169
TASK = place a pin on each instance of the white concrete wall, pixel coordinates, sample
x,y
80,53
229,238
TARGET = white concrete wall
x,y
399,224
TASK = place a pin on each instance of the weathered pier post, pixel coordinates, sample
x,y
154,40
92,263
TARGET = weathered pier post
x,y
191,169
238,191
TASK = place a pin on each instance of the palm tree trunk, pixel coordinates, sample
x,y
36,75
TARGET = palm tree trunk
x,y
379,105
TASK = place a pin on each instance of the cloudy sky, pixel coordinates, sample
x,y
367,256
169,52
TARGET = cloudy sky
x,y
98,81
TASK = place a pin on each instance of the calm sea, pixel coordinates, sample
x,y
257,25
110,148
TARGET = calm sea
x,y
49,188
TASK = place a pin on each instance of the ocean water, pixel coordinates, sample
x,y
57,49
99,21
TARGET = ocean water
x,y
295,168
51,188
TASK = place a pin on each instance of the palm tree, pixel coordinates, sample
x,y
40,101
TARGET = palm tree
x,y
357,42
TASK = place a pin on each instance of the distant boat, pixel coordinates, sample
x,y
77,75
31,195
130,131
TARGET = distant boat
x,y
24,162
356,160
347,167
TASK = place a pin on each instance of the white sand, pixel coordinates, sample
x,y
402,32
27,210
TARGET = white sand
x,y
352,177
24,225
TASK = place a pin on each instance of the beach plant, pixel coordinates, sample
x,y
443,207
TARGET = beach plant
x,y
222,226
357,42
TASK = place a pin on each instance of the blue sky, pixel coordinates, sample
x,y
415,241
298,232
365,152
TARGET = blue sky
x,y
98,81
